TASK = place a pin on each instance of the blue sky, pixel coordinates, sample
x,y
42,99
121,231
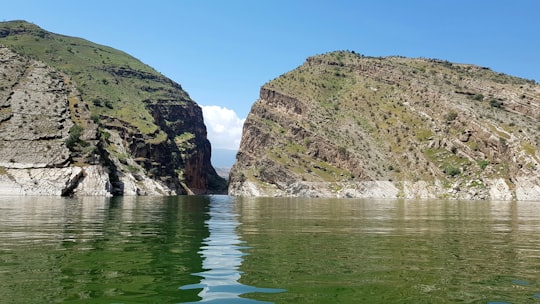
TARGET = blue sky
x,y
223,51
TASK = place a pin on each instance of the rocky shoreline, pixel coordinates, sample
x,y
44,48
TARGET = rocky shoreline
x,y
525,189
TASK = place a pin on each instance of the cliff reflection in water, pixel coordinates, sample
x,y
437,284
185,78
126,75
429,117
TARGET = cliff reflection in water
x,y
222,257
94,249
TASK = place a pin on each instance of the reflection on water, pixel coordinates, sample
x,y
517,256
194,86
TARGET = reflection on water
x,y
99,250
393,251
222,256
216,249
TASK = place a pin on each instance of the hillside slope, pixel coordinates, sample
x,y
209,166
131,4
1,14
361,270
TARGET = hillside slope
x,y
346,125
95,119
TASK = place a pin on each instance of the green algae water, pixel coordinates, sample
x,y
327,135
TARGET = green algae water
x,y
218,249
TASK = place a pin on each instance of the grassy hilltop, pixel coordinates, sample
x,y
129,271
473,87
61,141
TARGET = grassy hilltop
x,y
98,71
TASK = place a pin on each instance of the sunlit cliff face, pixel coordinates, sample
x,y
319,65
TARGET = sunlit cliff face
x,y
346,125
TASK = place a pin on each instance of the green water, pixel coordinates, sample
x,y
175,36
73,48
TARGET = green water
x,y
218,249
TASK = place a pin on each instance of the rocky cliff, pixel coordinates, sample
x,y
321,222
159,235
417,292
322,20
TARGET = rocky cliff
x,y
77,118
346,125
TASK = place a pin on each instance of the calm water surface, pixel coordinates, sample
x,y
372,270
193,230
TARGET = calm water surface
x,y
218,249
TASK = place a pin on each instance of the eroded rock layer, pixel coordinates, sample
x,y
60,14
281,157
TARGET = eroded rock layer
x,y
346,125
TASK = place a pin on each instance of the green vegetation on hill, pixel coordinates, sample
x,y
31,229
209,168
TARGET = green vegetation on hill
x,y
112,82
342,116
389,102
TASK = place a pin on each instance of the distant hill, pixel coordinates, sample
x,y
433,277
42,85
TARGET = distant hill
x,y
105,122
223,158
347,125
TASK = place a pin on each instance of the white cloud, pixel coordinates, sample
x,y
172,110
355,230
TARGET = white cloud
x,y
224,127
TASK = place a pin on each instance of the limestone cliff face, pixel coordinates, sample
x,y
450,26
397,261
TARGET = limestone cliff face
x,y
345,125
35,123
77,118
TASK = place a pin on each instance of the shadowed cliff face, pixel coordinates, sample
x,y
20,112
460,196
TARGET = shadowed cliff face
x,y
347,125
104,121
192,149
